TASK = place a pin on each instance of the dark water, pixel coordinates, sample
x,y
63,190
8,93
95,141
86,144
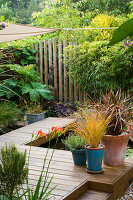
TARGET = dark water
x,y
56,144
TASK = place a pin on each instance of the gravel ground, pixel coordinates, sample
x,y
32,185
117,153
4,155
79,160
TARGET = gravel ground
x,y
128,194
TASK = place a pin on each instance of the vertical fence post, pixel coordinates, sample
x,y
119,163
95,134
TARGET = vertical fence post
x,y
41,59
80,96
70,79
60,71
65,71
45,62
37,55
55,67
75,83
50,61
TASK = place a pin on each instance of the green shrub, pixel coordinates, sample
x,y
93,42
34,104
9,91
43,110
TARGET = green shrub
x,y
58,17
13,170
6,11
9,113
23,85
105,21
20,54
95,67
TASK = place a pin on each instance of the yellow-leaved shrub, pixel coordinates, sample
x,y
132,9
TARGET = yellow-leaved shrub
x,y
106,21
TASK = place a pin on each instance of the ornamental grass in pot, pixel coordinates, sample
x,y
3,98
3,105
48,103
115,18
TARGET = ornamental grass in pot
x,y
116,138
76,145
91,127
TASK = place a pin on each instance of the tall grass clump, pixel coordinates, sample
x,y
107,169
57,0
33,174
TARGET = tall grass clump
x,y
92,127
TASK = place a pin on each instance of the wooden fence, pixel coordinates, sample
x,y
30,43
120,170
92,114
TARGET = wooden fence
x,y
50,57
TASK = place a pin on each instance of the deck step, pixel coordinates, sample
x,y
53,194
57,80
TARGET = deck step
x,y
94,195
83,192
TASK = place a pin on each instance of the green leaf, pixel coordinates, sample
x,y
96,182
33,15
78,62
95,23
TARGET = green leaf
x,y
2,18
17,53
2,92
124,30
130,49
7,21
26,88
24,62
36,89
33,50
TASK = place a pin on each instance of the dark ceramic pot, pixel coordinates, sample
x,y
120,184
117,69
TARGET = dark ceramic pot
x,y
31,118
79,157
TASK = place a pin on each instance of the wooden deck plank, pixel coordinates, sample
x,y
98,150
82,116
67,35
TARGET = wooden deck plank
x,y
72,181
23,135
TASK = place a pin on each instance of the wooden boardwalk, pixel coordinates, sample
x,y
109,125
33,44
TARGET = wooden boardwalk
x,y
73,182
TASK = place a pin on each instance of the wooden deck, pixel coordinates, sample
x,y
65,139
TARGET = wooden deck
x,y
73,182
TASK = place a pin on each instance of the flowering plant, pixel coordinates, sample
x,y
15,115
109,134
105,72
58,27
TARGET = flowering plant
x,y
39,134
2,24
55,130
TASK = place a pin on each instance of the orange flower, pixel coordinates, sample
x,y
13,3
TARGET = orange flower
x,y
55,129
41,134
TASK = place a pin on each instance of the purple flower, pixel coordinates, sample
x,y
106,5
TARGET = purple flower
x,y
3,25
126,44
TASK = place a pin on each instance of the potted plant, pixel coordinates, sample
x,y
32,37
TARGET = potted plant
x,y
91,127
76,145
34,113
116,138
37,93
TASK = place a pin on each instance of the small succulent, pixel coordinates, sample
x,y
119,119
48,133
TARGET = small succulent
x,y
74,141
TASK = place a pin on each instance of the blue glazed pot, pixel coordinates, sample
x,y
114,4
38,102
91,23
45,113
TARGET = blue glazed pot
x,y
31,118
94,158
79,157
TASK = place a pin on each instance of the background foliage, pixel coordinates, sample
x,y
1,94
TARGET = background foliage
x,y
97,68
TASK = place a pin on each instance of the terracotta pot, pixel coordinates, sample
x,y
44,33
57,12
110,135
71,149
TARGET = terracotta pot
x,y
115,149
